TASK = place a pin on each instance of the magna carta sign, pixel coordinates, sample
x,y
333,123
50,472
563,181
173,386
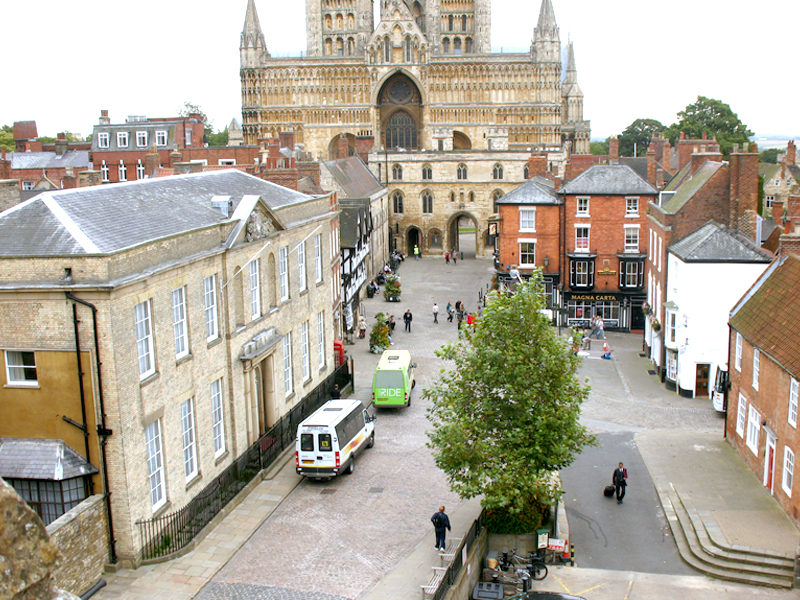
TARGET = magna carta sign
x,y
593,298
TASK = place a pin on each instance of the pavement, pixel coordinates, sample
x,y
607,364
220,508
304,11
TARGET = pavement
x,y
681,444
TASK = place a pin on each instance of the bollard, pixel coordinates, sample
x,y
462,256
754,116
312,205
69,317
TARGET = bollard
x,y
572,555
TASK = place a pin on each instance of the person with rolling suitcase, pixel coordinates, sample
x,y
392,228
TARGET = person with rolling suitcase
x,y
620,479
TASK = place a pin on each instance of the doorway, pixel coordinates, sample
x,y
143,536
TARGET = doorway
x,y
701,381
414,239
463,235
264,396
769,461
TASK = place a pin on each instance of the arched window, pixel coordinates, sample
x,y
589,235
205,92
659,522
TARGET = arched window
x,y
457,46
462,172
351,46
339,22
435,238
427,202
446,46
397,173
401,131
328,22
526,172
497,172
452,196
427,173
469,49
495,197
397,203
450,22
328,46
339,46
463,22
409,50
387,50
351,21
472,196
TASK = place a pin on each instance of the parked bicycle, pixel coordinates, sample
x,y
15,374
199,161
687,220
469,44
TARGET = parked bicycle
x,y
532,564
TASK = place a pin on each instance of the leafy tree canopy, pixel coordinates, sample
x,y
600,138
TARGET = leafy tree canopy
x,y
714,118
7,139
599,148
506,415
770,156
638,135
219,138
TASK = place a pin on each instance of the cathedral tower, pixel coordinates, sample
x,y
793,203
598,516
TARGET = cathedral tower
x,y
546,47
338,27
252,47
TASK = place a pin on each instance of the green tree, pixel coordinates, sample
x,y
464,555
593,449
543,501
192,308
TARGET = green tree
x,y
770,156
190,108
219,138
599,148
712,117
638,135
505,416
7,138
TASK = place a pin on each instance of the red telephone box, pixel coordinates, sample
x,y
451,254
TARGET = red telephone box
x,y
338,352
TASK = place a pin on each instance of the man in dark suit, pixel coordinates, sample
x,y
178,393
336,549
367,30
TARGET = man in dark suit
x,y
620,480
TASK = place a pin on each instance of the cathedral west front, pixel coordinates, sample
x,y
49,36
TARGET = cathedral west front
x,y
424,97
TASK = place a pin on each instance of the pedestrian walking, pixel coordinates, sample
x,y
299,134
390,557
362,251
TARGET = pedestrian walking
x,y
362,327
471,320
335,392
441,524
449,310
435,312
601,334
620,480
460,318
416,252
455,257
447,258
391,323
407,318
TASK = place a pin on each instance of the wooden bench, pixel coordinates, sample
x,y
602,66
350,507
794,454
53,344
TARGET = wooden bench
x,y
448,554
429,589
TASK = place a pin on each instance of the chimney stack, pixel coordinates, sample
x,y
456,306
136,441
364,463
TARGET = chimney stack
x,y
651,165
61,144
104,120
791,153
613,150
744,189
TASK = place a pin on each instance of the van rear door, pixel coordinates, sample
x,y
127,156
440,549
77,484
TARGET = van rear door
x,y
316,448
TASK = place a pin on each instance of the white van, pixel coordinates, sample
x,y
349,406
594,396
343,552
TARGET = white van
x,y
329,440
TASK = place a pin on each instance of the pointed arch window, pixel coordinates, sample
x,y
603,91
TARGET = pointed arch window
x,y
450,22
462,172
526,172
427,173
463,22
495,197
457,46
397,203
469,49
427,203
409,50
387,50
401,131
446,46
497,171
397,173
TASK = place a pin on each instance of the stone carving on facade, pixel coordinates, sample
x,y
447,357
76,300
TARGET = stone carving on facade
x,y
259,226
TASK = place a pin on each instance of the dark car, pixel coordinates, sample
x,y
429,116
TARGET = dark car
x,y
544,596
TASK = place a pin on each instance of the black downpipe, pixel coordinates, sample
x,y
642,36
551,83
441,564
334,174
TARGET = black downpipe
x,y
102,431
94,589
85,427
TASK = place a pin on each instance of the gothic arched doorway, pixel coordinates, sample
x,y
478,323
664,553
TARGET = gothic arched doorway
x,y
463,235
400,106
414,238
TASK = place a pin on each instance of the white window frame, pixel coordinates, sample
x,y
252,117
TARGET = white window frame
x,y
210,300
788,471
630,246
187,136
793,393
632,207
753,429
318,256
18,360
526,265
161,138
741,415
321,338
587,227
283,260
104,171
217,418
144,339
579,210
141,139
28,185
756,366
288,381
737,361
255,289
103,140
139,169
122,171
527,219
179,325
189,439
301,265
155,464
123,139
672,365
305,351
227,162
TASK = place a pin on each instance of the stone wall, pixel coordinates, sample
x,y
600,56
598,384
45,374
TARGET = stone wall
x,y
470,573
81,536
9,193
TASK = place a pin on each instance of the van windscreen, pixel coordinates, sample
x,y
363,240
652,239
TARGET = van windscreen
x,y
307,442
389,379
325,442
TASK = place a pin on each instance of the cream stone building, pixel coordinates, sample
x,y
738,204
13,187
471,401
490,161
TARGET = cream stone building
x,y
424,77
206,308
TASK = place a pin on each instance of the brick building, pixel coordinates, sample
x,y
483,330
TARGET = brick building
x,y
201,308
761,422
706,188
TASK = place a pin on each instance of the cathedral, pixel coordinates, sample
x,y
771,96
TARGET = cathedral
x,y
423,78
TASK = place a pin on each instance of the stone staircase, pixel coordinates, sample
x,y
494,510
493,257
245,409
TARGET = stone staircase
x,y
702,545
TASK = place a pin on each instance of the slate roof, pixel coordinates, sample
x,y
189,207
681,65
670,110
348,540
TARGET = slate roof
x,y
25,130
718,244
638,164
50,460
109,218
768,170
537,190
769,314
354,177
49,160
608,180
348,224
686,186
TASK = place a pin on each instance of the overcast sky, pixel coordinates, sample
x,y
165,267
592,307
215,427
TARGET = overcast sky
x,y
64,61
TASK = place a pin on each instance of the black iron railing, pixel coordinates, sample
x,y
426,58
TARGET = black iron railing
x,y
169,533
458,562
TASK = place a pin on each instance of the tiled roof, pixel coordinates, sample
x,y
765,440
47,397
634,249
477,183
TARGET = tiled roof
x,y
689,185
110,218
638,164
50,460
348,224
537,190
769,314
354,177
608,180
49,160
25,130
715,243
768,170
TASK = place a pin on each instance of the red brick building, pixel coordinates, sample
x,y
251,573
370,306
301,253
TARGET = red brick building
x,y
764,359
605,244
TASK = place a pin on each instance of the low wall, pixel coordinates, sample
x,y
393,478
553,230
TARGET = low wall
x,y
81,536
470,573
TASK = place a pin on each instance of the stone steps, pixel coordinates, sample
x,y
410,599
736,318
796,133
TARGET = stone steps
x,y
702,546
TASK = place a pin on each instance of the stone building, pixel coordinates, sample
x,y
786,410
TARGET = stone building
x,y
424,77
199,309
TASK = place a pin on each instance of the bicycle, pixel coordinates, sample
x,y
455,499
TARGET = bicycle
x,y
534,565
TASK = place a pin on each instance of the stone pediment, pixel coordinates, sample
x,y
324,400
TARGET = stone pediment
x,y
398,22
260,224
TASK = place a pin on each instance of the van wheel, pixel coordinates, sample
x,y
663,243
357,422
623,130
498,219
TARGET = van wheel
x,y
352,466
371,441
413,384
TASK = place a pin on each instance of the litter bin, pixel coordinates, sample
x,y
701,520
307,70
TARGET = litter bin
x,y
370,291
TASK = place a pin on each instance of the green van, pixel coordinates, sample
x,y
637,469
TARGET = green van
x,y
393,380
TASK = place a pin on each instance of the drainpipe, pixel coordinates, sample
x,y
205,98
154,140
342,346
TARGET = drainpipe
x,y
84,427
102,432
